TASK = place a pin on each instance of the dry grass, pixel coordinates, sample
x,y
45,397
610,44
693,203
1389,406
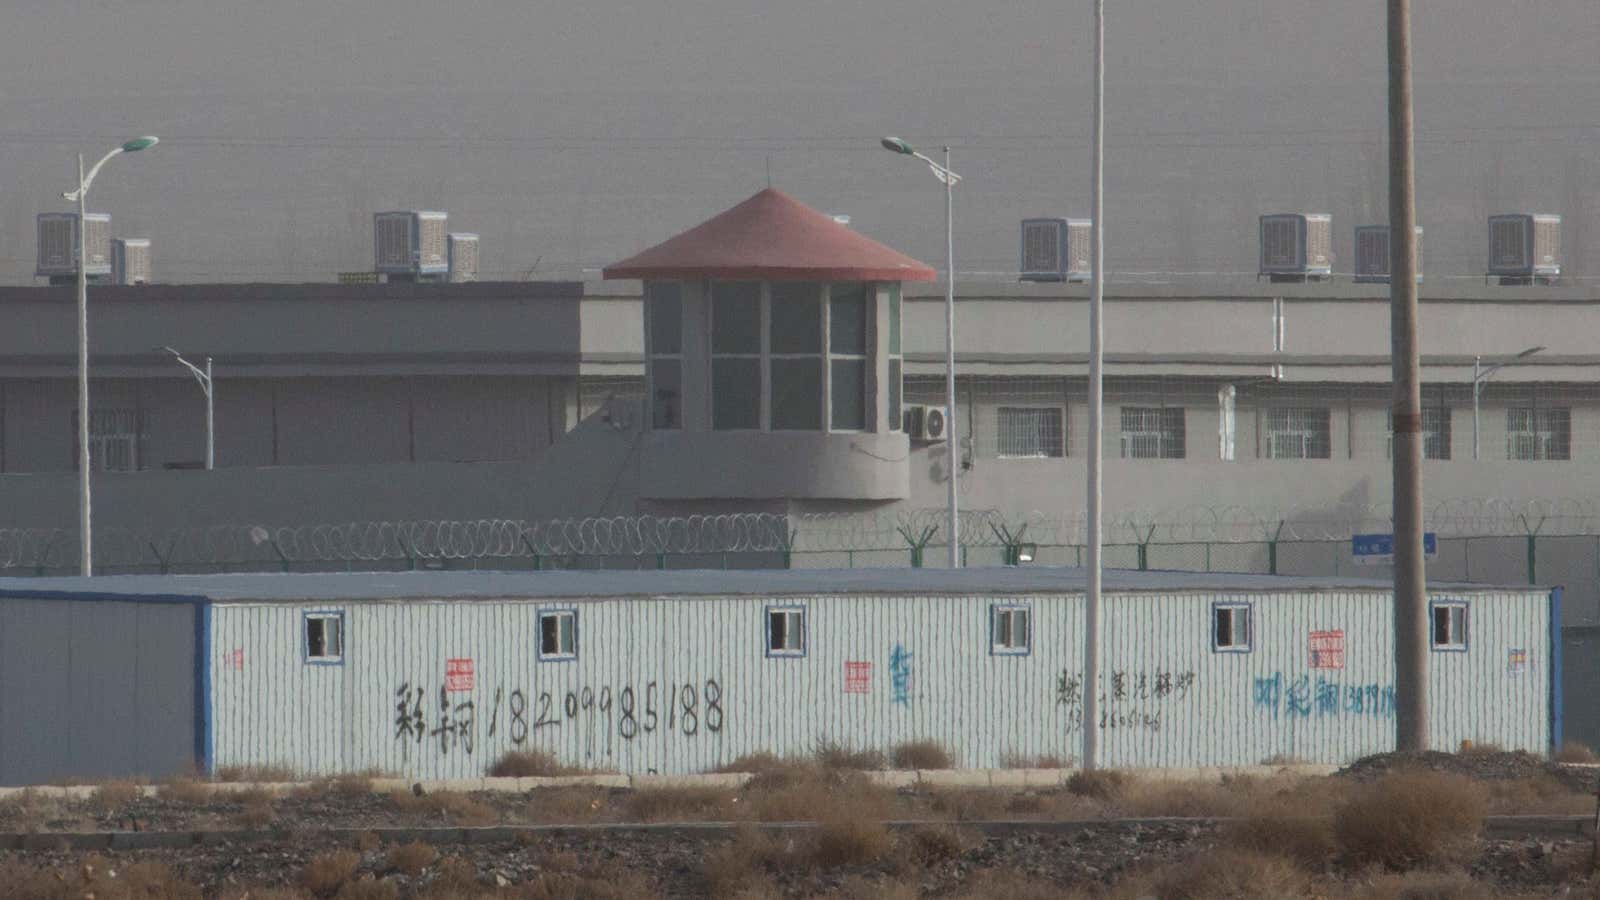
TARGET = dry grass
x,y
114,795
1045,761
327,872
1574,752
753,763
811,794
256,809
450,806
1409,819
411,859
1472,748
924,754
368,887
185,790
834,755
531,764
1009,884
681,804
848,840
931,845
1425,885
1223,874
367,841
741,865
1286,827
1540,795
1100,784
567,804
256,774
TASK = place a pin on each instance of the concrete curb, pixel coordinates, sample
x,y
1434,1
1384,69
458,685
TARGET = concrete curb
x,y
1014,779
1573,827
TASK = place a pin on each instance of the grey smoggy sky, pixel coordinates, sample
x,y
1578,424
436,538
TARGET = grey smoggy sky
x,y
570,135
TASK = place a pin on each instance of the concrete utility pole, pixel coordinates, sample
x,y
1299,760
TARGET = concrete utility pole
x,y
1097,287
1410,585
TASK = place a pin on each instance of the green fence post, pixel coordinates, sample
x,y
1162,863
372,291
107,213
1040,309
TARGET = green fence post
x,y
1272,550
661,561
916,557
1533,558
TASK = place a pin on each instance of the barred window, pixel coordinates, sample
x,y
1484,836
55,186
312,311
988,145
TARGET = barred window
x,y
117,439
1151,432
1030,432
1538,433
1298,433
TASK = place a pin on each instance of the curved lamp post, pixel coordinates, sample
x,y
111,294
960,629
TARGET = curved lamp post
x,y
949,179
203,376
86,565
1481,375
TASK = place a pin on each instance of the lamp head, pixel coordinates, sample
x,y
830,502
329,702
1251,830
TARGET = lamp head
x,y
896,145
1530,351
140,143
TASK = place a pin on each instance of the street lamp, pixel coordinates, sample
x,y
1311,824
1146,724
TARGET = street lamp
x,y
949,180
1481,375
81,195
205,385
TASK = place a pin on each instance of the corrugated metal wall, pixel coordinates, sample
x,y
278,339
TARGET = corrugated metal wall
x,y
94,689
682,685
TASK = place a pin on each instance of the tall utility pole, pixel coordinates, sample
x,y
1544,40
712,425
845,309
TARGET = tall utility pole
x,y
1410,586
1097,287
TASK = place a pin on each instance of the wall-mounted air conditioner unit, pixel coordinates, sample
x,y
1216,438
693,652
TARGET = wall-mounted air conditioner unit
x,y
1297,246
1525,248
130,261
927,423
463,257
58,245
1056,249
410,243
1372,254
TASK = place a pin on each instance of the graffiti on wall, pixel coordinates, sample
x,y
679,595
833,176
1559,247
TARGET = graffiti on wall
x,y
1133,699
605,716
1301,697
900,676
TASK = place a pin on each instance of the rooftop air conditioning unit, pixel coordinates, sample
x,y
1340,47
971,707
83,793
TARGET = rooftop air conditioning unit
x,y
130,261
463,257
58,245
927,423
410,243
1055,249
1372,254
1297,247
1525,248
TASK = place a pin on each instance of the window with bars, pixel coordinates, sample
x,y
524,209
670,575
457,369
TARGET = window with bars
x,y
1300,432
664,308
1030,432
1435,432
896,361
1151,432
1536,433
117,439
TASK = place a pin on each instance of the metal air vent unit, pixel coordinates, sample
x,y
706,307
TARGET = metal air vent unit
x,y
410,244
130,261
58,245
1297,246
1525,248
1372,254
1055,249
927,423
463,257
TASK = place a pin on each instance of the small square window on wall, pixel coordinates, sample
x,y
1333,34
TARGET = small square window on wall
x,y
558,634
1449,632
786,631
1010,630
1231,627
324,637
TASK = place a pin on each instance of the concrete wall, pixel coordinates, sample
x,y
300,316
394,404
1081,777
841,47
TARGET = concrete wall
x,y
678,685
97,689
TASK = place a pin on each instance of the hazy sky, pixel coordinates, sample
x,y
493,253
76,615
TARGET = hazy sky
x,y
570,135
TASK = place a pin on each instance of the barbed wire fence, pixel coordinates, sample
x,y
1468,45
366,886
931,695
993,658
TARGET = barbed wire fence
x,y
765,539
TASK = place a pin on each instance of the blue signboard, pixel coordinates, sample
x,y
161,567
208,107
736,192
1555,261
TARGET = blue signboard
x,y
1378,549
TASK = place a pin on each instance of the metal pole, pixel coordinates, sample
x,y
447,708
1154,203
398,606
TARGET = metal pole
x,y
1477,384
211,419
950,357
1410,587
1091,610
85,563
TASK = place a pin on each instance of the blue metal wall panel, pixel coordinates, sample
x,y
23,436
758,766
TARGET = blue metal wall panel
x,y
676,685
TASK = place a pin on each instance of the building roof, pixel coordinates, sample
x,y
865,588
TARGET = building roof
x,y
599,585
773,237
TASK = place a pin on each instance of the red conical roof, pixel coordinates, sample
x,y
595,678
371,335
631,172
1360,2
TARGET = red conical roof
x,y
772,237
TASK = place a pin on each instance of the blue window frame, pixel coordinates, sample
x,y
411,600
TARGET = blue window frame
x,y
323,637
1232,627
1010,629
558,635
1447,621
784,631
